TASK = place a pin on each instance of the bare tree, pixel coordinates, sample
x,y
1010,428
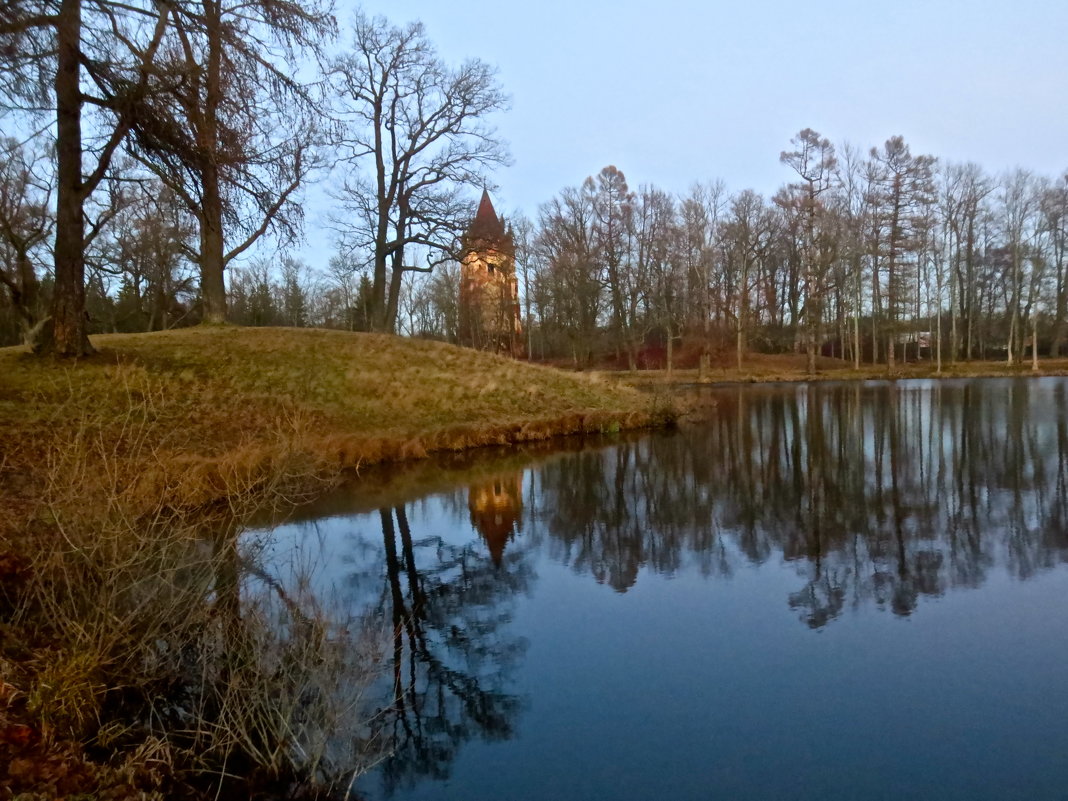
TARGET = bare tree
x,y
64,56
229,130
613,208
523,233
1018,200
748,232
26,224
964,189
904,190
415,136
659,277
814,162
1055,219
145,246
854,211
699,213
572,281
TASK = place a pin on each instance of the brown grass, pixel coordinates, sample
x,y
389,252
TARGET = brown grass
x,y
212,407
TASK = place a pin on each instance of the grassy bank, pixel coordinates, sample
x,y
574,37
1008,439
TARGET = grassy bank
x,y
792,367
124,635
183,417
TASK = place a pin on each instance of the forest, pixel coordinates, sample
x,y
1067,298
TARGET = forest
x,y
156,161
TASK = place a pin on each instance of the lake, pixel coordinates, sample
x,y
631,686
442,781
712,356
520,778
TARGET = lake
x,y
824,591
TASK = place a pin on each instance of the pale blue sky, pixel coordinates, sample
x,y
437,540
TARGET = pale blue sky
x,y
672,92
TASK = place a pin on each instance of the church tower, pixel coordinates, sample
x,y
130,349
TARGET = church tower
x,y
489,291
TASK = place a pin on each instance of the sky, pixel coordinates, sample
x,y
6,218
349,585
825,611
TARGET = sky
x,y
674,92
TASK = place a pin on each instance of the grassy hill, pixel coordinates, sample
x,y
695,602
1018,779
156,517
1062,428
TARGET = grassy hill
x,y
191,415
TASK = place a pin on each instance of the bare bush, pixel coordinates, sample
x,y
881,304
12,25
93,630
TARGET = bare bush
x,y
157,635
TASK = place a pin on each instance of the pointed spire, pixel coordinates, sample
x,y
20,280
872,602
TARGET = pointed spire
x,y
487,225
486,212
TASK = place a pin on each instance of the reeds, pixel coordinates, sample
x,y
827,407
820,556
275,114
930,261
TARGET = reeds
x,y
142,637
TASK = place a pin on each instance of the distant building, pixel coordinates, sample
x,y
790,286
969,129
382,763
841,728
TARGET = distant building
x,y
489,292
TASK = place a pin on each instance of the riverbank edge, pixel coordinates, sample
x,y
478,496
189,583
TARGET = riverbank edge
x,y
686,379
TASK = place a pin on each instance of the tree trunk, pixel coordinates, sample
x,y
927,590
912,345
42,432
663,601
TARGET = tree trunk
x,y
670,351
856,316
66,335
212,284
938,327
1034,343
954,337
1060,314
24,293
891,283
968,292
1060,324
212,256
389,317
1015,336
876,302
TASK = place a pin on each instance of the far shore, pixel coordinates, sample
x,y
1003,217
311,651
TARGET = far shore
x,y
772,369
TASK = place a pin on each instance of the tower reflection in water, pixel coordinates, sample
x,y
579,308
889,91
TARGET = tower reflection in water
x,y
496,507
453,655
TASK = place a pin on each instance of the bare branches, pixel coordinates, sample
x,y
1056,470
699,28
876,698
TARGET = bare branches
x,y
229,129
423,125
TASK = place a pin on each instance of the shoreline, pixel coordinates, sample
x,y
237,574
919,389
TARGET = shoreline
x,y
193,417
732,376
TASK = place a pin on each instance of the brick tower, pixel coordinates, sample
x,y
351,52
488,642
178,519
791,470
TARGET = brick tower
x,y
489,291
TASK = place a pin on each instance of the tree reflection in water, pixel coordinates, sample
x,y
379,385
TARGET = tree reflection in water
x,y
884,492
452,654
878,493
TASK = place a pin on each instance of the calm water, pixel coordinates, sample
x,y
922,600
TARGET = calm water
x,y
829,591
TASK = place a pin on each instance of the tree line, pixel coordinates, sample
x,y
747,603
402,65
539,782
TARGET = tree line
x,y
873,255
163,150
868,256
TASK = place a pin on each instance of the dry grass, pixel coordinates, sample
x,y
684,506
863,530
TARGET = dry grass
x,y
217,406
130,628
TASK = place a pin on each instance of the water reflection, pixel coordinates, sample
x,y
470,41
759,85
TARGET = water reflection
x,y
876,492
875,496
495,507
451,651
